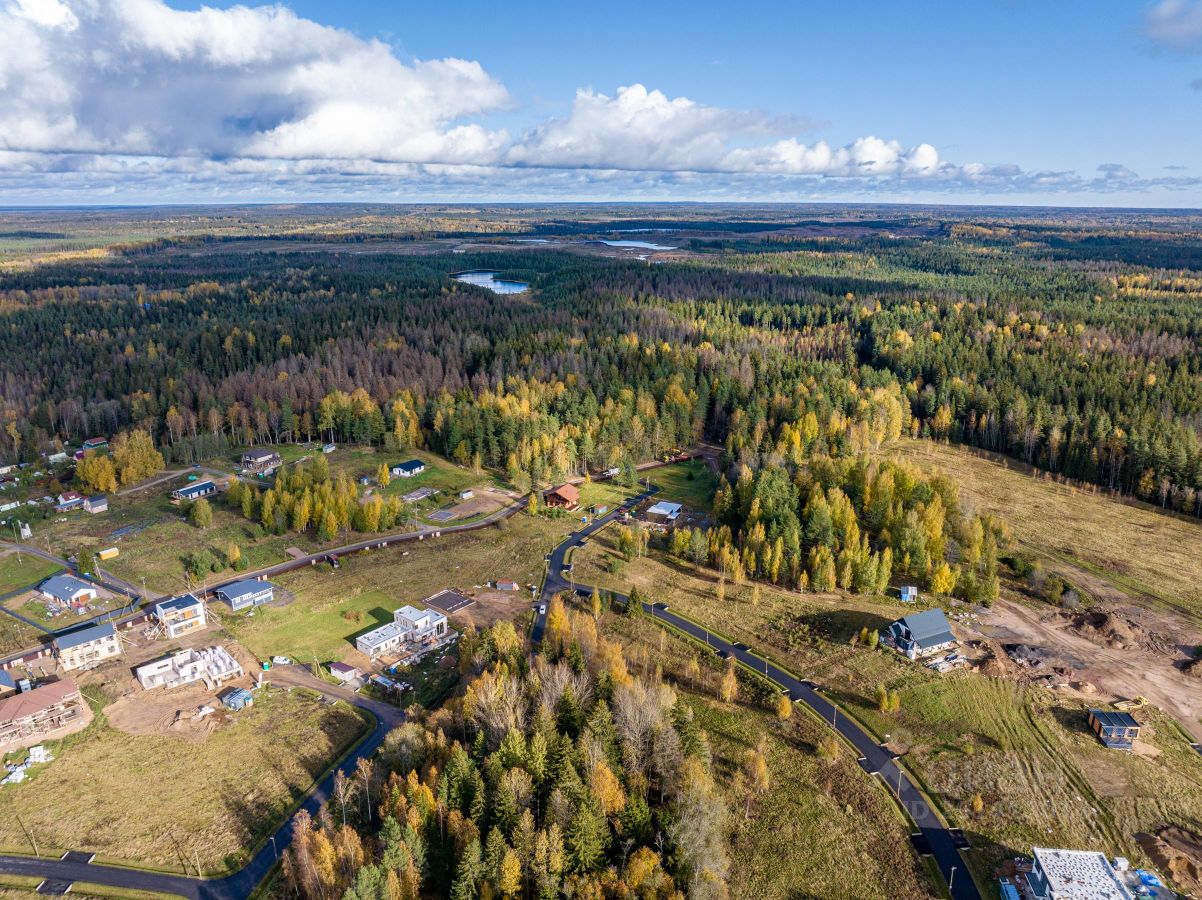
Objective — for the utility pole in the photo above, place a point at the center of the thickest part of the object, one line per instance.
(951, 880)
(29, 834)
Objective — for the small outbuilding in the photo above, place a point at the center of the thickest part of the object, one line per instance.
(507, 586)
(345, 672)
(467, 494)
(908, 593)
(236, 699)
(1117, 730)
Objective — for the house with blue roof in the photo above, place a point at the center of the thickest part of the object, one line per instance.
(194, 491)
(407, 469)
(87, 647)
(181, 615)
(921, 634)
(67, 590)
(247, 593)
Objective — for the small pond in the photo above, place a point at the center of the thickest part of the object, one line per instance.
(489, 280)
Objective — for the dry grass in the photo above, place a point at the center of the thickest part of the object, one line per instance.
(1043, 777)
(159, 800)
(823, 829)
(1120, 548)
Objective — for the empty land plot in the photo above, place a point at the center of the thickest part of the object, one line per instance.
(823, 828)
(332, 607)
(18, 570)
(1143, 552)
(155, 799)
(449, 601)
(691, 483)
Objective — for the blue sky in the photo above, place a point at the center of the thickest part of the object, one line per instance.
(1059, 103)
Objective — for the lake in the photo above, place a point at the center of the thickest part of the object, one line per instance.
(489, 280)
(638, 245)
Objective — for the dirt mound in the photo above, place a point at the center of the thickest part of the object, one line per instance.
(1178, 853)
(992, 667)
(1193, 667)
(1107, 629)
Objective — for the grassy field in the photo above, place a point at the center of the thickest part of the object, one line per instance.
(1119, 548)
(22, 570)
(1042, 776)
(691, 483)
(823, 829)
(16, 635)
(374, 584)
(154, 799)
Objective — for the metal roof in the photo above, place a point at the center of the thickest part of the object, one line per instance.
(196, 486)
(84, 636)
(927, 628)
(1114, 719)
(184, 601)
(245, 588)
(664, 508)
(64, 587)
(410, 465)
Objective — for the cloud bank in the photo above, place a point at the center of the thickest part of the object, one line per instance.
(133, 98)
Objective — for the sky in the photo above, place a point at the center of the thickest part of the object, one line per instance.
(1065, 103)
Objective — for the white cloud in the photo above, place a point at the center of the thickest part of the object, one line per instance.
(138, 77)
(148, 102)
(1175, 24)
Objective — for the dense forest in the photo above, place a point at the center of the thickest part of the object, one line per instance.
(1072, 346)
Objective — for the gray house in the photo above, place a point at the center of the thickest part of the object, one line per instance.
(246, 593)
(67, 589)
(921, 634)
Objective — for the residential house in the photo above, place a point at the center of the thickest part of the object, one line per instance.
(87, 646)
(921, 634)
(261, 461)
(26, 717)
(68, 500)
(1117, 730)
(345, 672)
(194, 491)
(566, 496)
(1075, 875)
(97, 504)
(247, 593)
(237, 698)
(409, 625)
(664, 513)
(95, 443)
(181, 615)
(212, 665)
(407, 469)
(68, 590)
(56, 458)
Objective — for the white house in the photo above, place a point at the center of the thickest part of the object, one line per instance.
(213, 665)
(67, 589)
(181, 615)
(409, 625)
(1075, 875)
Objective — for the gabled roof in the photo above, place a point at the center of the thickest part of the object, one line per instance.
(6, 679)
(244, 588)
(664, 508)
(409, 465)
(344, 668)
(29, 703)
(64, 587)
(196, 486)
(568, 492)
(1114, 719)
(927, 628)
(259, 454)
(84, 636)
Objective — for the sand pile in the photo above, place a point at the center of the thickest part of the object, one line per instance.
(1178, 854)
(1107, 629)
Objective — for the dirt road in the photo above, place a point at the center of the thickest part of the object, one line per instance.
(1115, 672)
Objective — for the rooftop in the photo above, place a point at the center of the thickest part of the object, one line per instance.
(31, 702)
(1080, 875)
(244, 588)
(928, 626)
(664, 508)
(84, 636)
(1114, 719)
(382, 635)
(63, 587)
(184, 601)
(410, 465)
(567, 491)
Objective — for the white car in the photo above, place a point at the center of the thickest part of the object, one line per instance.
(280, 661)
(542, 610)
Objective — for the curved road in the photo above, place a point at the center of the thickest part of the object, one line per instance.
(873, 758)
(76, 866)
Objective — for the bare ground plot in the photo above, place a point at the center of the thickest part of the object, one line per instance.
(1118, 665)
(1117, 550)
(156, 798)
(823, 828)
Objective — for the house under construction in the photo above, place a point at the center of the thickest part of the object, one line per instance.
(213, 665)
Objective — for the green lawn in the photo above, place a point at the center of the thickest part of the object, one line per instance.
(691, 483)
(22, 570)
(312, 628)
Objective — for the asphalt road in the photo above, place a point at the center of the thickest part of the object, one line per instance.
(76, 867)
(874, 759)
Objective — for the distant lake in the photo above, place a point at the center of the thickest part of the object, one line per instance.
(489, 280)
(638, 245)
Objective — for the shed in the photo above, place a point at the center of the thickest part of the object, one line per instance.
(467, 494)
(344, 672)
(1117, 730)
(237, 698)
(507, 586)
(908, 593)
